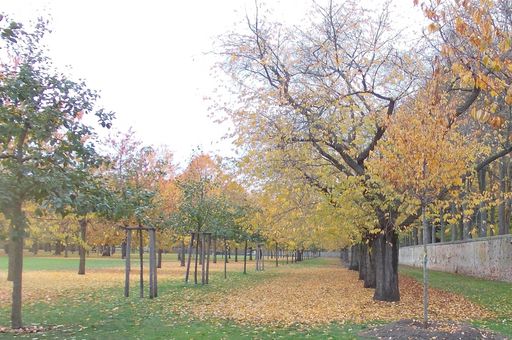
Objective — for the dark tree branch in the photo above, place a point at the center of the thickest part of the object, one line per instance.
(492, 158)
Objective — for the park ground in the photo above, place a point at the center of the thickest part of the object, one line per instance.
(317, 298)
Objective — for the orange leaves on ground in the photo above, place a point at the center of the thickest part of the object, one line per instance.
(312, 296)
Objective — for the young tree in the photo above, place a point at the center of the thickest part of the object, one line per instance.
(424, 157)
(44, 143)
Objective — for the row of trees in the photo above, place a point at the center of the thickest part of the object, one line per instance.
(371, 133)
(63, 187)
(350, 133)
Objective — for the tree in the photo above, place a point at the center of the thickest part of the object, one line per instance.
(423, 157)
(44, 142)
(320, 94)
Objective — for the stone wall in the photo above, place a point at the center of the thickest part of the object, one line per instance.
(489, 257)
(330, 254)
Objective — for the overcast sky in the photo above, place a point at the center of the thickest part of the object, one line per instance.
(148, 59)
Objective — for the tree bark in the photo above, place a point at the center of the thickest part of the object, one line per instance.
(66, 247)
(106, 250)
(277, 256)
(362, 260)
(123, 250)
(196, 258)
(433, 231)
(159, 262)
(492, 220)
(425, 271)
(245, 257)
(214, 249)
(225, 257)
(353, 258)
(141, 259)
(482, 221)
(386, 266)
(81, 248)
(16, 256)
(182, 250)
(127, 269)
(208, 257)
(442, 223)
(187, 272)
(10, 270)
(502, 224)
(58, 248)
(203, 264)
(369, 279)
(35, 248)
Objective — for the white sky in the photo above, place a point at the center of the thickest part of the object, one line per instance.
(148, 59)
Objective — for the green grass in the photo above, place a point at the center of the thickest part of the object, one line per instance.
(494, 295)
(106, 314)
(46, 262)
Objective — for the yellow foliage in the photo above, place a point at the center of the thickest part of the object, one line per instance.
(422, 156)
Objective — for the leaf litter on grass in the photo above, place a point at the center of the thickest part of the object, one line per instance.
(322, 295)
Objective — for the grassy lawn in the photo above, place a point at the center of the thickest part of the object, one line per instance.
(494, 295)
(106, 314)
(46, 261)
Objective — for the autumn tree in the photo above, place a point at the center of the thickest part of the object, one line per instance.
(320, 94)
(44, 141)
(423, 156)
(474, 40)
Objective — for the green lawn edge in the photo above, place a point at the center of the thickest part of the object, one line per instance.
(496, 296)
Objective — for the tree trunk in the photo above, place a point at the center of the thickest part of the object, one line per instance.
(362, 260)
(191, 244)
(203, 255)
(433, 231)
(35, 248)
(214, 249)
(277, 256)
(225, 257)
(58, 248)
(17, 250)
(106, 250)
(9, 246)
(159, 262)
(443, 225)
(482, 221)
(425, 271)
(502, 224)
(141, 259)
(236, 254)
(182, 250)
(196, 258)
(453, 225)
(208, 249)
(250, 253)
(369, 279)
(16, 256)
(66, 247)
(245, 257)
(492, 220)
(466, 224)
(123, 250)
(353, 258)
(81, 248)
(386, 266)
